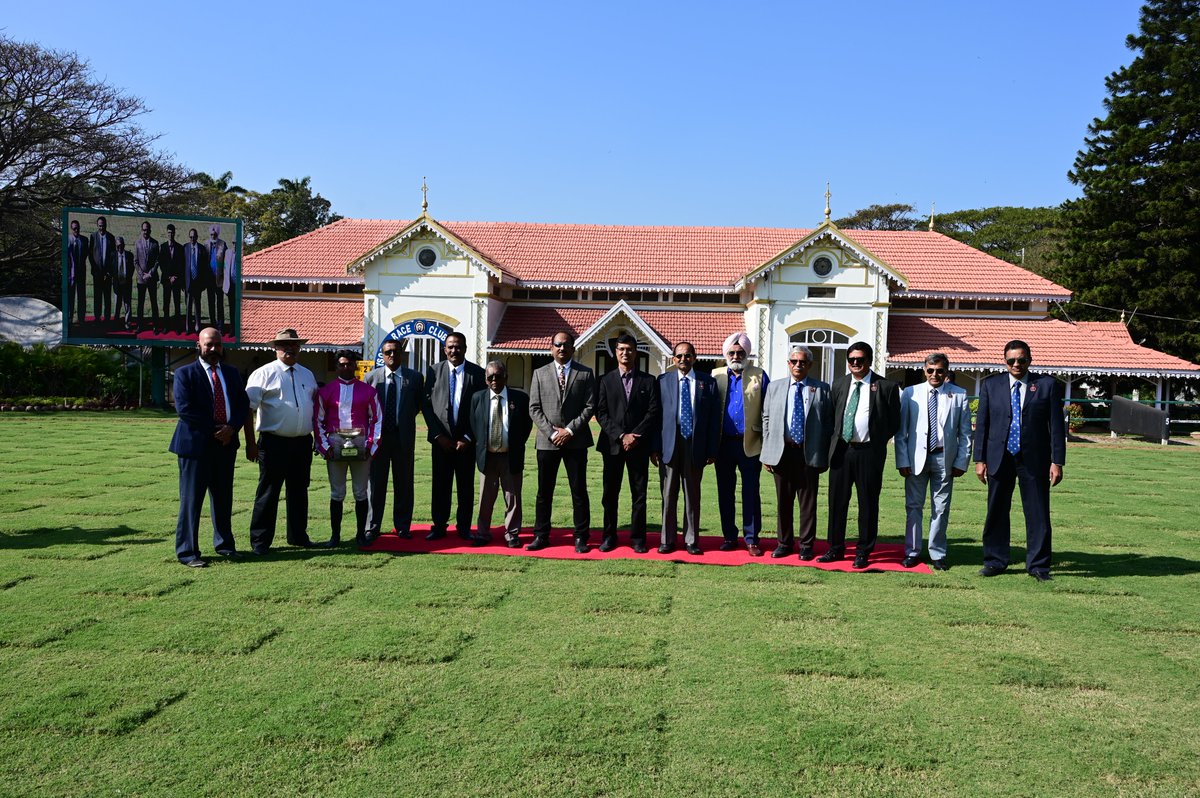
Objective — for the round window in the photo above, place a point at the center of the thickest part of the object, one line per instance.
(426, 257)
(823, 266)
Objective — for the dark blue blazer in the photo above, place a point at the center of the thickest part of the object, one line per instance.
(1043, 431)
(194, 404)
(706, 426)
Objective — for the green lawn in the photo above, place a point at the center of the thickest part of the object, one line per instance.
(347, 674)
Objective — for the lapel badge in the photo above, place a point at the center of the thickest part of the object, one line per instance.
(1032, 388)
(874, 387)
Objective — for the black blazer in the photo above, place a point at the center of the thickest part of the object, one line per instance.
(883, 420)
(171, 266)
(519, 427)
(411, 399)
(617, 417)
(437, 400)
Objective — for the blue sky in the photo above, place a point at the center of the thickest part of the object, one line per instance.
(615, 113)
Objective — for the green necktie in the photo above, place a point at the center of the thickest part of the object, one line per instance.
(851, 410)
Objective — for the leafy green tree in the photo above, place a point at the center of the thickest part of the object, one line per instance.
(896, 216)
(1029, 237)
(219, 196)
(1133, 239)
(285, 212)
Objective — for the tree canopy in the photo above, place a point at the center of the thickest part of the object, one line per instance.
(896, 216)
(1026, 236)
(286, 211)
(1132, 241)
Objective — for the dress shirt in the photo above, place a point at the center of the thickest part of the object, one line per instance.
(208, 375)
(281, 410)
(1024, 387)
(735, 410)
(503, 398)
(692, 383)
(456, 398)
(807, 398)
(862, 417)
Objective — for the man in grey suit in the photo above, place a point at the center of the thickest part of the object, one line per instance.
(797, 427)
(402, 392)
(449, 388)
(500, 422)
(561, 402)
(933, 448)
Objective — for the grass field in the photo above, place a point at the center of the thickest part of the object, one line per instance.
(348, 674)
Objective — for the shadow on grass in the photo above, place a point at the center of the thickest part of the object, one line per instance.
(968, 552)
(46, 537)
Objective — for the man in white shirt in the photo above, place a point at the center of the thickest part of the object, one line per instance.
(501, 426)
(282, 394)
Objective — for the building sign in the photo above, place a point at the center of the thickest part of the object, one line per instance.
(414, 328)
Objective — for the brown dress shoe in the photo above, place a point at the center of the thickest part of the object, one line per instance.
(753, 550)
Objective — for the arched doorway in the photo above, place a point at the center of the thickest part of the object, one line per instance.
(829, 351)
(421, 341)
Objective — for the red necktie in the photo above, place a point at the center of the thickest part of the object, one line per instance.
(218, 400)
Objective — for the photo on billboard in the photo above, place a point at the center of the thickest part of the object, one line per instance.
(139, 279)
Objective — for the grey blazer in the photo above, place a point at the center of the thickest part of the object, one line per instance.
(818, 423)
(572, 408)
(412, 395)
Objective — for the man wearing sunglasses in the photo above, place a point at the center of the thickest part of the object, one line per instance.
(866, 415)
(1020, 439)
(401, 393)
(740, 390)
(933, 448)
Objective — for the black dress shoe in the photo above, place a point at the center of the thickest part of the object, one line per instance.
(911, 562)
(607, 545)
(1041, 576)
(833, 555)
(465, 535)
(403, 535)
(640, 548)
(781, 551)
(436, 534)
(369, 538)
(260, 552)
(581, 547)
(941, 565)
(695, 550)
(513, 543)
(332, 543)
(479, 541)
(231, 554)
(665, 549)
(860, 560)
(728, 545)
(196, 563)
(991, 570)
(808, 555)
(537, 544)
(307, 543)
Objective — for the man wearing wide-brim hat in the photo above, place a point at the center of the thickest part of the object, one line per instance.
(281, 395)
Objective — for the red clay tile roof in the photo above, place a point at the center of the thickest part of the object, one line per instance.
(530, 328)
(324, 322)
(702, 257)
(1057, 346)
(934, 263)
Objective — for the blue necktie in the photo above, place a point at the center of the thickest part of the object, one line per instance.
(685, 408)
(1014, 429)
(796, 429)
(933, 420)
(453, 387)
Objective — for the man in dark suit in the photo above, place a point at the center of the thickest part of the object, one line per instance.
(171, 261)
(628, 411)
(866, 415)
(77, 253)
(212, 407)
(145, 261)
(216, 263)
(797, 424)
(122, 283)
(402, 392)
(449, 388)
(1020, 438)
(683, 444)
(197, 276)
(501, 426)
(561, 401)
(102, 251)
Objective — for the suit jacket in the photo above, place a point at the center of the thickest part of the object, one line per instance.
(818, 423)
(109, 266)
(145, 258)
(408, 404)
(78, 254)
(172, 266)
(752, 405)
(437, 400)
(954, 427)
(194, 430)
(883, 419)
(706, 417)
(519, 427)
(617, 417)
(204, 275)
(127, 266)
(571, 408)
(1043, 431)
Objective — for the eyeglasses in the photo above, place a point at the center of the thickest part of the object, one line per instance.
(560, 344)
(391, 352)
(856, 361)
(935, 371)
(493, 377)
(1012, 361)
(685, 356)
(799, 362)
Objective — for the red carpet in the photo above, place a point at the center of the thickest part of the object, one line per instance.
(886, 557)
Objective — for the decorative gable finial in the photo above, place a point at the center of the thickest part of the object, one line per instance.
(424, 197)
(932, 210)
(827, 195)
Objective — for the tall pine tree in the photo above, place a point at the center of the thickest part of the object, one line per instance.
(1133, 239)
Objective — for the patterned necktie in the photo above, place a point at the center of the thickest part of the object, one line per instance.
(851, 411)
(219, 414)
(1014, 429)
(933, 420)
(685, 408)
(389, 402)
(195, 260)
(796, 428)
(496, 433)
(562, 379)
(453, 389)
(627, 383)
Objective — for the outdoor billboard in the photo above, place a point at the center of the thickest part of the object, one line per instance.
(139, 279)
